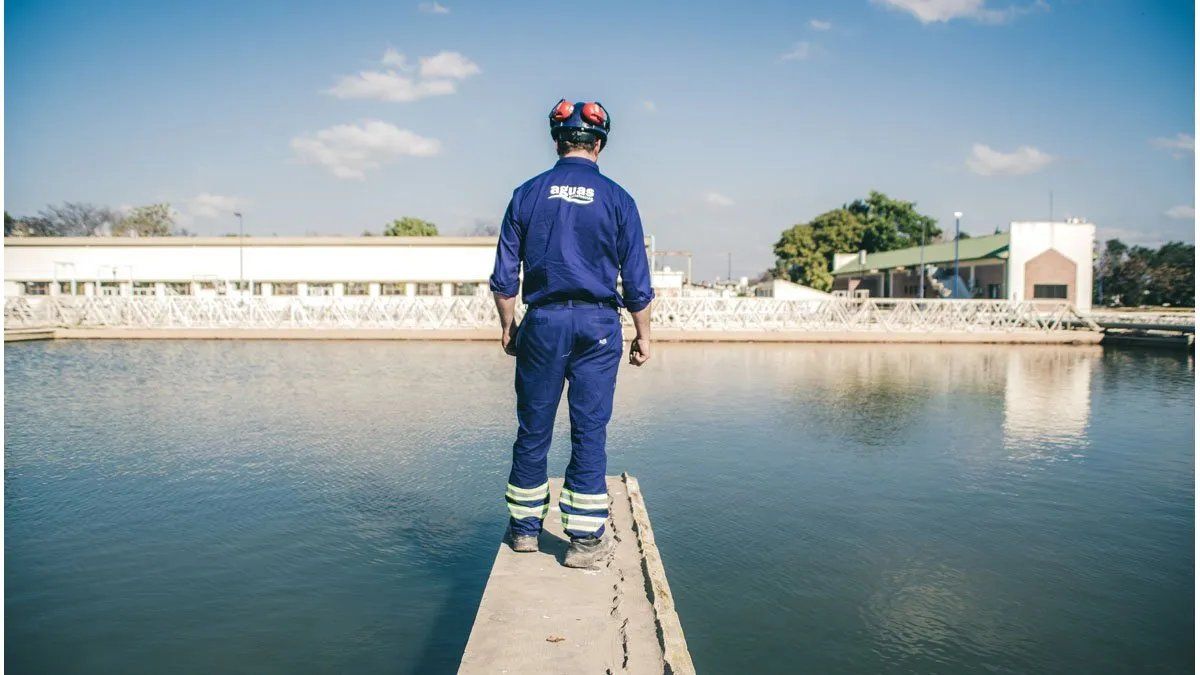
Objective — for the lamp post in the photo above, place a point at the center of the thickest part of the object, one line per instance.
(957, 280)
(241, 267)
(924, 226)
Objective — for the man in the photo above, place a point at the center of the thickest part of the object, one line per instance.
(574, 230)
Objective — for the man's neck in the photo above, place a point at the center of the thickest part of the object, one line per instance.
(582, 154)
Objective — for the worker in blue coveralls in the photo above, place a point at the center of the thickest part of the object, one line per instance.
(574, 230)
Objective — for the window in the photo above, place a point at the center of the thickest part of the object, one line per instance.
(320, 289)
(356, 288)
(391, 288)
(143, 288)
(110, 288)
(283, 288)
(429, 289)
(258, 288)
(37, 287)
(177, 288)
(465, 289)
(64, 288)
(1050, 291)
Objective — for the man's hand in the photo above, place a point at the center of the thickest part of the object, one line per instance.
(506, 310)
(508, 340)
(639, 351)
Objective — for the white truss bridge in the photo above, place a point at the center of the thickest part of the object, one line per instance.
(450, 313)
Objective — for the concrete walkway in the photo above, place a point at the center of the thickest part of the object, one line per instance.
(537, 616)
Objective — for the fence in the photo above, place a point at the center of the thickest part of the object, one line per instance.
(433, 313)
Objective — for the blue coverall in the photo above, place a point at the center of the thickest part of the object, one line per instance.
(574, 230)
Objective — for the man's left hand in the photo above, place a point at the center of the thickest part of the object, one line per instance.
(508, 340)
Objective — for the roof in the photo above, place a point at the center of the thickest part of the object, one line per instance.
(250, 241)
(972, 248)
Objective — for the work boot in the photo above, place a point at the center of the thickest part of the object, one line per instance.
(522, 543)
(588, 553)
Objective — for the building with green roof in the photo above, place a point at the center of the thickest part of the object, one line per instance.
(1032, 261)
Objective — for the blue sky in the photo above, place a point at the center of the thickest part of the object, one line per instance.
(732, 121)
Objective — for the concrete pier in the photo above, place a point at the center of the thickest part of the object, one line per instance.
(537, 616)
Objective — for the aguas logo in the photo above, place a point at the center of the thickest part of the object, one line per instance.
(575, 195)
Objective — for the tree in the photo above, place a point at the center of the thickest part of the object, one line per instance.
(1137, 275)
(484, 228)
(411, 227)
(76, 219)
(804, 252)
(154, 220)
(892, 223)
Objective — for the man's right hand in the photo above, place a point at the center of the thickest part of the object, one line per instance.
(639, 351)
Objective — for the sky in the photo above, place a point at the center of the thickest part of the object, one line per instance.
(731, 121)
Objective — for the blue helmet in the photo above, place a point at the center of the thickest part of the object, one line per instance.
(579, 121)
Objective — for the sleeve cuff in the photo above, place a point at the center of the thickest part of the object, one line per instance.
(638, 305)
(507, 290)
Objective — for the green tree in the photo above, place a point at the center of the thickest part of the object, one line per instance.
(1138, 275)
(804, 252)
(411, 227)
(890, 224)
(154, 220)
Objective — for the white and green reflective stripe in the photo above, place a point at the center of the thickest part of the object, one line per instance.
(583, 501)
(576, 523)
(528, 494)
(517, 511)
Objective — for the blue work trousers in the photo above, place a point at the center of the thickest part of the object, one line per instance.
(578, 344)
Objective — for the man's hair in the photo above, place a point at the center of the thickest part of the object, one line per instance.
(578, 140)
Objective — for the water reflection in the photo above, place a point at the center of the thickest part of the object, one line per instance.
(1047, 401)
(334, 507)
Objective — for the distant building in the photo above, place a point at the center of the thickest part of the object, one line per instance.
(782, 289)
(262, 266)
(1032, 261)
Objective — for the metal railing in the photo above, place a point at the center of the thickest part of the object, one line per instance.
(433, 313)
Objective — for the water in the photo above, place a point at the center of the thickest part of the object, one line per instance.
(297, 507)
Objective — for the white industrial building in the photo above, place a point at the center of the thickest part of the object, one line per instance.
(261, 266)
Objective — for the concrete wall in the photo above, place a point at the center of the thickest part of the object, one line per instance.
(1075, 241)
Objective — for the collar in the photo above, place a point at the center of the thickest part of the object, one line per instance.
(581, 161)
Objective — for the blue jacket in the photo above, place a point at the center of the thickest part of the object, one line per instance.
(575, 230)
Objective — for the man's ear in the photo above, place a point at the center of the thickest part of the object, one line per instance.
(597, 147)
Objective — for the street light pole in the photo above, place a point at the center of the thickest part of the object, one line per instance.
(241, 266)
(957, 280)
(924, 227)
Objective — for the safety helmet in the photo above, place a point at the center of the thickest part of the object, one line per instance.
(580, 121)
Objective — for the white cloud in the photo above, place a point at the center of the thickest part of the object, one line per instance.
(433, 8)
(206, 205)
(448, 65)
(817, 24)
(942, 11)
(718, 199)
(394, 59)
(389, 86)
(1181, 212)
(1178, 145)
(436, 78)
(801, 51)
(985, 161)
(350, 150)
(650, 106)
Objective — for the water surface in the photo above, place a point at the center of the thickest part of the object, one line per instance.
(293, 507)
